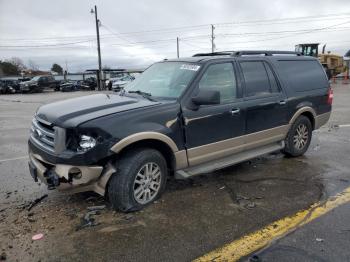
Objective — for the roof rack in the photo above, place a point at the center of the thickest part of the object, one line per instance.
(249, 52)
(265, 53)
(221, 53)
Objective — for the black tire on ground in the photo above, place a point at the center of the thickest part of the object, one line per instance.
(121, 187)
(294, 146)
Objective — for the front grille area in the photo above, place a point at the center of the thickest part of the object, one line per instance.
(43, 134)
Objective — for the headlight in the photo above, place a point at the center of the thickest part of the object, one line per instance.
(86, 143)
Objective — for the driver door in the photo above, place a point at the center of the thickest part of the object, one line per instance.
(211, 130)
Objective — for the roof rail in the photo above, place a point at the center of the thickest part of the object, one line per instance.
(264, 52)
(221, 53)
(248, 52)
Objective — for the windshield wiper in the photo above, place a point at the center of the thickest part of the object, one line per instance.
(143, 94)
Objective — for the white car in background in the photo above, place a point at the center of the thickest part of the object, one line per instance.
(118, 84)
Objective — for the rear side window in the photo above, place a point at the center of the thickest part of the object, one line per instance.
(259, 79)
(303, 75)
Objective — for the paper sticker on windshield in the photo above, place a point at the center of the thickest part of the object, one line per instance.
(190, 67)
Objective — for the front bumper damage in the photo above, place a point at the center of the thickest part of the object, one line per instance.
(70, 178)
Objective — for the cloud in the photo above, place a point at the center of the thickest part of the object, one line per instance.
(47, 22)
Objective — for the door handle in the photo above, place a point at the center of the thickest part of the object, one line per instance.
(282, 102)
(235, 111)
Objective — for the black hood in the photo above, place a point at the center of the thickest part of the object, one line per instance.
(72, 112)
(29, 82)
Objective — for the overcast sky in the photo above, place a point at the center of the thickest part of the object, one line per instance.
(137, 33)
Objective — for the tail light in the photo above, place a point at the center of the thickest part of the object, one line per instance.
(330, 96)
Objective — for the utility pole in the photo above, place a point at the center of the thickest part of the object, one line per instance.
(99, 74)
(65, 72)
(177, 47)
(212, 39)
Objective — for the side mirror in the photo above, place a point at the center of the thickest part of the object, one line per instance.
(206, 97)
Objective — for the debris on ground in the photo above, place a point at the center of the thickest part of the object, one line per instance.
(92, 199)
(88, 220)
(319, 239)
(72, 213)
(317, 147)
(222, 187)
(3, 256)
(37, 236)
(250, 205)
(94, 208)
(36, 201)
(128, 217)
(255, 258)
(239, 197)
(344, 231)
(31, 219)
(8, 194)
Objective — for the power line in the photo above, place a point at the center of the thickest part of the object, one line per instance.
(287, 19)
(295, 32)
(277, 32)
(306, 32)
(202, 26)
(48, 45)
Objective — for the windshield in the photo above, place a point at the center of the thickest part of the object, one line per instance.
(36, 78)
(165, 79)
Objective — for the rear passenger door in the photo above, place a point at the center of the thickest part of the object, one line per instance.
(265, 102)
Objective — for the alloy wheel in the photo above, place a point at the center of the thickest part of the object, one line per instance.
(147, 183)
(301, 137)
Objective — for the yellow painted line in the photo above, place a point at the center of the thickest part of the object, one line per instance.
(263, 237)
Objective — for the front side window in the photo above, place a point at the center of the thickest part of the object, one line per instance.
(165, 79)
(257, 79)
(220, 77)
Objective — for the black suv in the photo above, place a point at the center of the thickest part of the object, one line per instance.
(180, 117)
(38, 83)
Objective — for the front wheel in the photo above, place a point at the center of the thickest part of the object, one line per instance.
(140, 179)
(299, 137)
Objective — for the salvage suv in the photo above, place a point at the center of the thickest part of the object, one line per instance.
(181, 117)
(39, 83)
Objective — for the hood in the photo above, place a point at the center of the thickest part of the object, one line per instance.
(28, 82)
(75, 111)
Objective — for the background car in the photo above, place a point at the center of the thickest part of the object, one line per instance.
(119, 83)
(38, 83)
(70, 86)
(9, 86)
(88, 84)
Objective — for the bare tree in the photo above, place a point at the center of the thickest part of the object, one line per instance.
(32, 65)
(18, 62)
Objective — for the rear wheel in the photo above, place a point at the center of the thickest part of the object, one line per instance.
(299, 137)
(140, 179)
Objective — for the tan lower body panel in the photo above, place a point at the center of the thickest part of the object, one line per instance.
(231, 146)
(322, 119)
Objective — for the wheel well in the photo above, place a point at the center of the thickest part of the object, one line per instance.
(310, 116)
(162, 147)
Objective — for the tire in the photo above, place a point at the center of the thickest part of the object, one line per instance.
(123, 189)
(299, 137)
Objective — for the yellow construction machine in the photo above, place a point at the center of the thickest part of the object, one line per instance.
(333, 64)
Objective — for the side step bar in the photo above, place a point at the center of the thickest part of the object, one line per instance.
(228, 161)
